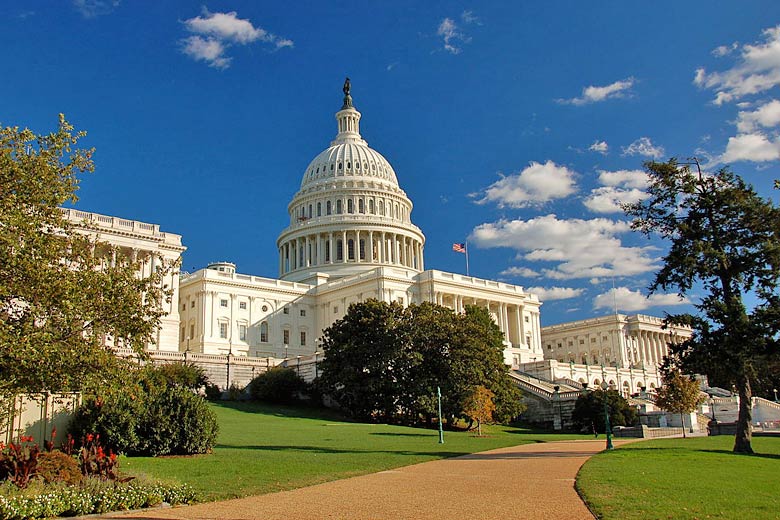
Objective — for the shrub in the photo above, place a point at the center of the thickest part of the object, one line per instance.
(588, 411)
(56, 466)
(278, 385)
(186, 375)
(213, 393)
(95, 462)
(114, 418)
(19, 461)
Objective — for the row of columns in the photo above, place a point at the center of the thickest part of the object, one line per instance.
(509, 318)
(649, 347)
(322, 249)
(357, 205)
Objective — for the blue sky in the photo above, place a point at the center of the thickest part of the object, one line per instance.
(515, 125)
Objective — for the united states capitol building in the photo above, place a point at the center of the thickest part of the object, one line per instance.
(350, 238)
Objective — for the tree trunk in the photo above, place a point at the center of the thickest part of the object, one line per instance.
(479, 428)
(682, 421)
(744, 421)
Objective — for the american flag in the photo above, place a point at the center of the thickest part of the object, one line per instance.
(459, 248)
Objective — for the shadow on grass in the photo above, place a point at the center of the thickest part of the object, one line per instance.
(301, 411)
(431, 433)
(774, 456)
(336, 451)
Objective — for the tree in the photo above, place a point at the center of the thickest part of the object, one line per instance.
(277, 385)
(59, 298)
(724, 242)
(679, 394)
(479, 406)
(588, 411)
(384, 361)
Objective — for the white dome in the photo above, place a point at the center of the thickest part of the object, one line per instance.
(348, 160)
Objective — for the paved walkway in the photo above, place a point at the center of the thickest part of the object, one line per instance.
(532, 481)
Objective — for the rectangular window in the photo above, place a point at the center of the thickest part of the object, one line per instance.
(286, 310)
(303, 313)
(242, 332)
(526, 319)
(192, 331)
(303, 338)
(192, 304)
(242, 305)
(286, 337)
(223, 303)
(335, 310)
(223, 330)
(184, 306)
(181, 336)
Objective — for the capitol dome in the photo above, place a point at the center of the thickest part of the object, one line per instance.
(349, 215)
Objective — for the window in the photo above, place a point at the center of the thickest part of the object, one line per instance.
(286, 310)
(327, 208)
(327, 251)
(264, 308)
(303, 313)
(319, 209)
(184, 306)
(192, 304)
(181, 335)
(338, 207)
(223, 303)
(350, 206)
(351, 249)
(362, 249)
(303, 338)
(223, 326)
(339, 250)
(582, 342)
(593, 340)
(335, 310)
(371, 206)
(192, 331)
(381, 208)
(286, 337)
(242, 305)
(264, 332)
(242, 332)
(526, 319)
(310, 211)
(361, 207)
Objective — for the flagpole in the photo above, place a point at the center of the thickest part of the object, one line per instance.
(467, 257)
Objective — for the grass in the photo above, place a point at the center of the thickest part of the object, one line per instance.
(263, 448)
(694, 478)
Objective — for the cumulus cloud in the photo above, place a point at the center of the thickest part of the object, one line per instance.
(757, 70)
(523, 272)
(767, 115)
(599, 146)
(594, 94)
(618, 187)
(554, 293)
(724, 50)
(215, 32)
(754, 147)
(578, 248)
(645, 147)
(627, 300)
(95, 8)
(624, 179)
(536, 184)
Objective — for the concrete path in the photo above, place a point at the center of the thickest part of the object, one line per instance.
(517, 483)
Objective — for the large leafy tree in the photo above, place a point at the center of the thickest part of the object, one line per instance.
(61, 294)
(589, 415)
(384, 362)
(725, 244)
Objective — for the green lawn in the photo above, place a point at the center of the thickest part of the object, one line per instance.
(684, 479)
(263, 449)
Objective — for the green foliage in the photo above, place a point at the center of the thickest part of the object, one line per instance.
(725, 242)
(145, 417)
(278, 385)
(185, 375)
(588, 414)
(56, 466)
(383, 362)
(89, 496)
(59, 297)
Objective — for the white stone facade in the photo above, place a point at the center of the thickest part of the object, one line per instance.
(139, 241)
(350, 238)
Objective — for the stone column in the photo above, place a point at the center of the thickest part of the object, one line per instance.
(344, 248)
(332, 249)
(370, 256)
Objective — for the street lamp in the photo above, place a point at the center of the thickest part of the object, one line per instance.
(775, 391)
(557, 397)
(286, 346)
(607, 425)
(712, 407)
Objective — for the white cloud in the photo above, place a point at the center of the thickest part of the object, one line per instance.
(522, 272)
(452, 35)
(593, 94)
(624, 179)
(754, 147)
(579, 248)
(599, 146)
(767, 115)
(95, 8)
(724, 50)
(757, 70)
(554, 293)
(627, 300)
(468, 17)
(536, 184)
(210, 50)
(215, 32)
(608, 199)
(645, 147)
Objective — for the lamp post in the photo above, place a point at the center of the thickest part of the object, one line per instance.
(712, 408)
(441, 431)
(775, 391)
(298, 368)
(286, 346)
(557, 398)
(607, 425)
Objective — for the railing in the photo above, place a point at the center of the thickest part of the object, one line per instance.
(760, 401)
(107, 222)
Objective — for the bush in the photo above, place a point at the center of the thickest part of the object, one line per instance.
(278, 385)
(114, 418)
(55, 466)
(186, 375)
(588, 411)
(213, 393)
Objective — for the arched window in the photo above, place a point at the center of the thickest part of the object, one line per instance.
(381, 207)
(350, 206)
(397, 213)
(361, 208)
(310, 211)
(327, 208)
(371, 206)
(264, 332)
(327, 250)
(338, 207)
(351, 249)
(339, 250)
(362, 249)
(319, 209)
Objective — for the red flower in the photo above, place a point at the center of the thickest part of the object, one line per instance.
(26, 438)
(90, 437)
(100, 454)
(112, 456)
